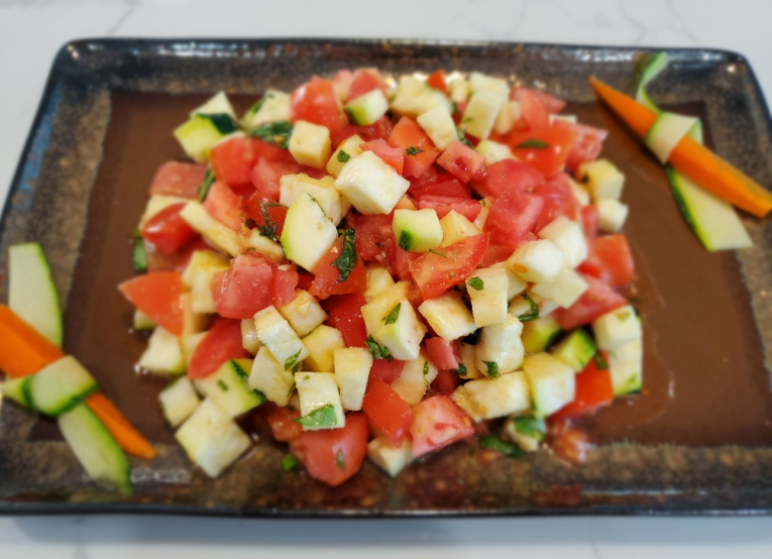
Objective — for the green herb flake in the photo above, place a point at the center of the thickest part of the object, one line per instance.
(290, 362)
(460, 371)
(377, 350)
(532, 143)
(296, 368)
(404, 240)
(473, 338)
(320, 417)
(206, 184)
(259, 105)
(493, 369)
(462, 138)
(438, 253)
(454, 108)
(476, 283)
(391, 318)
(413, 150)
(348, 258)
(533, 314)
(494, 442)
(340, 460)
(270, 228)
(600, 361)
(529, 426)
(343, 157)
(277, 133)
(289, 463)
(139, 255)
(307, 377)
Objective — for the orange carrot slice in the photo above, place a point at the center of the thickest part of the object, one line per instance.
(23, 350)
(124, 433)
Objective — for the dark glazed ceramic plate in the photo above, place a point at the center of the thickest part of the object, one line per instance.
(698, 439)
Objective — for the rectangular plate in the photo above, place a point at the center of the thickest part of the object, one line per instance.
(697, 440)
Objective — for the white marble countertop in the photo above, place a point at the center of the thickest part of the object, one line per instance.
(31, 31)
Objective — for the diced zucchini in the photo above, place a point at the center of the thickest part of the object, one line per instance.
(581, 194)
(552, 383)
(202, 260)
(379, 281)
(249, 339)
(307, 234)
(537, 261)
(202, 131)
(479, 81)
(345, 152)
(439, 126)
(464, 401)
(545, 306)
(494, 151)
(211, 439)
(402, 334)
(564, 290)
(273, 106)
(271, 378)
(500, 396)
(156, 204)
(456, 227)
(322, 344)
(61, 386)
(469, 360)
(367, 108)
(415, 97)
(448, 316)
(352, 371)
(333, 204)
(17, 390)
(508, 115)
(417, 375)
(501, 344)
(417, 230)
(217, 234)
(142, 322)
(526, 432)
(263, 245)
(626, 366)
(515, 286)
(278, 336)
(612, 215)
(616, 328)
(192, 321)
(304, 313)
(481, 113)
(568, 236)
(198, 277)
(163, 355)
(539, 335)
(390, 459)
(189, 344)
(310, 144)
(375, 312)
(178, 401)
(370, 184)
(228, 388)
(316, 391)
(218, 104)
(459, 89)
(575, 350)
(32, 293)
(602, 179)
(488, 289)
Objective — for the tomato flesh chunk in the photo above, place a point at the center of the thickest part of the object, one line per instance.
(175, 178)
(461, 161)
(610, 260)
(390, 155)
(390, 413)
(420, 152)
(316, 102)
(441, 353)
(598, 300)
(387, 371)
(513, 217)
(221, 343)
(509, 174)
(232, 161)
(245, 289)
(546, 148)
(158, 295)
(168, 231)
(283, 425)
(594, 389)
(327, 279)
(435, 274)
(345, 314)
(226, 206)
(437, 423)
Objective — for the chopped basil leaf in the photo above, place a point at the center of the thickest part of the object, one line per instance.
(473, 338)
(222, 385)
(529, 426)
(532, 143)
(343, 157)
(600, 361)
(320, 417)
(347, 259)
(139, 255)
(340, 461)
(291, 360)
(270, 228)
(259, 105)
(493, 442)
(476, 283)
(454, 108)
(296, 368)
(493, 369)
(413, 150)
(404, 240)
(206, 184)
(461, 371)
(462, 138)
(438, 253)
(391, 318)
(289, 463)
(277, 133)
(533, 314)
(377, 350)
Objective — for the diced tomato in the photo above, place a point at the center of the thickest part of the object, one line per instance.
(266, 177)
(392, 156)
(380, 129)
(437, 423)
(498, 253)
(435, 274)
(567, 442)
(333, 455)
(245, 289)
(305, 280)
(598, 300)
(221, 343)
(283, 426)
(441, 353)
(174, 178)
(590, 220)
(508, 174)
(550, 146)
(594, 389)
(157, 294)
(610, 260)
(444, 185)
(168, 231)
(327, 279)
(587, 145)
(445, 383)
(341, 84)
(345, 314)
(284, 284)
(232, 161)
(390, 413)
(437, 81)
(269, 152)
(443, 205)
(532, 112)
(225, 206)
(364, 81)
(157, 261)
(257, 207)
(559, 200)
(408, 134)
(396, 259)
(316, 102)
(387, 371)
(462, 161)
(369, 234)
(512, 217)
(551, 104)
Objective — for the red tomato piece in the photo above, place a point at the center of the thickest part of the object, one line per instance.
(369, 234)
(532, 112)
(158, 261)
(316, 102)
(445, 383)
(508, 174)
(390, 413)
(283, 426)
(284, 284)
(437, 423)
(174, 178)
(512, 217)
(498, 253)
(364, 81)
(257, 207)
(380, 129)
(225, 206)
(462, 161)
(392, 156)
(610, 260)
(551, 104)
(157, 294)
(269, 152)
(435, 274)
(559, 200)
(598, 300)
(345, 313)
(387, 371)
(221, 343)
(443, 205)
(168, 231)
(245, 289)
(333, 455)
(341, 83)
(305, 280)
(396, 259)
(590, 220)
(594, 389)
(549, 147)
(441, 353)
(327, 279)
(232, 161)
(445, 185)
(266, 177)
(408, 134)
(587, 145)
(437, 81)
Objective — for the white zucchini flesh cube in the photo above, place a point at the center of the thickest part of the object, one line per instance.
(612, 215)
(581, 194)
(439, 126)
(263, 245)
(478, 81)
(403, 336)
(515, 286)
(271, 378)
(469, 360)
(456, 227)
(564, 290)
(292, 187)
(201, 272)
(493, 152)
(178, 401)
(249, 339)
(307, 234)
(379, 281)
(459, 89)
(414, 97)
(626, 366)
(217, 104)
(390, 459)
(617, 328)
(278, 336)
(309, 144)
(273, 106)
(317, 390)
(501, 344)
(372, 186)
(537, 261)
(448, 316)
(417, 375)
(352, 371)
(546, 307)
(569, 237)
(508, 115)
(497, 397)
(192, 322)
(489, 304)
(203, 260)
(163, 355)
(463, 400)
(375, 312)
(211, 439)
(417, 230)
(350, 149)
(552, 382)
(228, 388)
(304, 313)
(367, 108)
(481, 112)
(602, 179)
(215, 233)
(322, 344)
(142, 322)
(156, 204)
(189, 344)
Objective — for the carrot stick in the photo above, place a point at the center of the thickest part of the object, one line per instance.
(23, 351)
(693, 159)
(124, 433)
